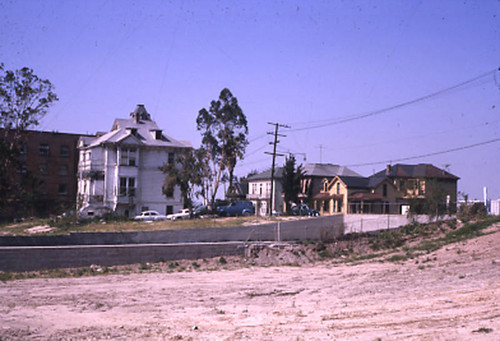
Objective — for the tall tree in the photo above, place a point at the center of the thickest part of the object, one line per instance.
(291, 180)
(224, 131)
(186, 173)
(24, 100)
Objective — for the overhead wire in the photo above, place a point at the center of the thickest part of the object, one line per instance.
(485, 124)
(424, 155)
(327, 123)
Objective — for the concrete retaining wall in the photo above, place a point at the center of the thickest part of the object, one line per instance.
(25, 253)
(316, 228)
(49, 257)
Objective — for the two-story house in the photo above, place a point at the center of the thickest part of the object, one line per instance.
(315, 174)
(421, 181)
(119, 171)
(259, 191)
(259, 185)
(356, 194)
(390, 191)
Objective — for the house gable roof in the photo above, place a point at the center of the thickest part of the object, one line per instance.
(323, 170)
(355, 181)
(422, 170)
(139, 127)
(266, 175)
(327, 170)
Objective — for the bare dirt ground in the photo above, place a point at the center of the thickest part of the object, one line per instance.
(450, 294)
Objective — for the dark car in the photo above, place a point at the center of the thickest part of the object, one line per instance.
(200, 211)
(237, 208)
(304, 210)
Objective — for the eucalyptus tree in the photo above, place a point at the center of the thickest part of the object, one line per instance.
(224, 131)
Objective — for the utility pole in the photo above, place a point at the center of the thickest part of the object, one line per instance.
(274, 154)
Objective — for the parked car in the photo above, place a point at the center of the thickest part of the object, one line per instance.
(200, 211)
(182, 214)
(237, 208)
(150, 215)
(304, 210)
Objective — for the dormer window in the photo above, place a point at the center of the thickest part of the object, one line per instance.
(157, 134)
(133, 131)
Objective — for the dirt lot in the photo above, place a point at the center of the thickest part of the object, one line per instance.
(450, 294)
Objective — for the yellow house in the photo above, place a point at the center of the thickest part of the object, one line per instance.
(355, 194)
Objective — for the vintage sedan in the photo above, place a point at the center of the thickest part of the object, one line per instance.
(150, 215)
(182, 214)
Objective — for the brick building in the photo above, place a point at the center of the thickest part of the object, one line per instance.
(51, 161)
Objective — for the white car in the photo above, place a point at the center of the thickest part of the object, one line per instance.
(150, 215)
(182, 214)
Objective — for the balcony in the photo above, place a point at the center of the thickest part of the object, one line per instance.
(92, 174)
(96, 199)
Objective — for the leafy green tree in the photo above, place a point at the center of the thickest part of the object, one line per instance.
(291, 180)
(434, 204)
(186, 173)
(224, 131)
(24, 100)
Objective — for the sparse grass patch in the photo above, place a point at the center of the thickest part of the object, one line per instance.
(6, 276)
(145, 266)
(397, 258)
(110, 223)
(325, 253)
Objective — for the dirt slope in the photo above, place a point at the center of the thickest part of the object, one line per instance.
(451, 294)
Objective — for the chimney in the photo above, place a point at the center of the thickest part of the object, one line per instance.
(388, 170)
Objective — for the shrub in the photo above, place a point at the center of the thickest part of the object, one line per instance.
(472, 211)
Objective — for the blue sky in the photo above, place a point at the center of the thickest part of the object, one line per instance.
(301, 63)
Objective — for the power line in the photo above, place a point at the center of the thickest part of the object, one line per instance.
(397, 106)
(425, 155)
(256, 150)
(255, 138)
(485, 124)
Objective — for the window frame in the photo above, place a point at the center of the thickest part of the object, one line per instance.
(44, 149)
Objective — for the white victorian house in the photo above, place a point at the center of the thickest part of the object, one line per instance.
(119, 171)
